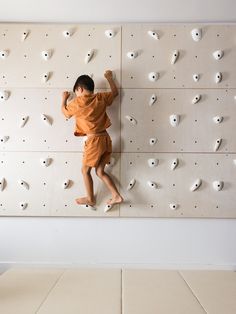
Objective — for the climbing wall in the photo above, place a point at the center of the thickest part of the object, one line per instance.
(172, 124)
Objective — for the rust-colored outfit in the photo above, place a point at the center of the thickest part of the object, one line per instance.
(91, 118)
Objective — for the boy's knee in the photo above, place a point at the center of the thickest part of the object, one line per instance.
(99, 172)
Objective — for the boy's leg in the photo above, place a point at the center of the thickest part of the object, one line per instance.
(116, 197)
(88, 181)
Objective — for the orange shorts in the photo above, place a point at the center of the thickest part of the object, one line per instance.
(97, 146)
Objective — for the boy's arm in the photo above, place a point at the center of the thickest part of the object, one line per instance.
(65, 96)
(114, 89)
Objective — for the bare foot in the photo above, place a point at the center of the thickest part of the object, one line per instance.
(115, 200)
(84, 201)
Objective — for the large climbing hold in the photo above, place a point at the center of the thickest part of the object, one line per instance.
(197, 183)
(196, 34)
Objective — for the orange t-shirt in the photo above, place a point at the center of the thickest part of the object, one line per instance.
(89, 112)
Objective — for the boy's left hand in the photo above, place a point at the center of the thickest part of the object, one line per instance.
(65, 95)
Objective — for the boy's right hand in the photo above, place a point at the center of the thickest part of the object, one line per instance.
(65, 95)
(108, 74)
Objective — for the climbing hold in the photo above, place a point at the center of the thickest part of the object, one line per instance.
(173, 206)
(218, 77)
(174, 163)
(45, 161)
(23, 205)
(196, 77)
(4, 95)
(153, 34)
(131, 184)
(131, 120)
(196, 185)
(218, 185)
(174, 56)
(89, 56)
(152, 100)
(24, 35)
(66, 184)
(111, 163)
(46, 54)
(152, 162)
(4, 54)
(174, 120)
(153, 76)
(4, 138)
(107, 208)
(46, 77)
(152, 184)
(196, 34)
(24, 184)
(218, 54)
(2, 184)
(217, 144)
(110, 33)
(132, 54)
(217, 119)
(46, 119)
(196, 99)
(67, 33)
(23, 121)
(152, 141)
(87, 206)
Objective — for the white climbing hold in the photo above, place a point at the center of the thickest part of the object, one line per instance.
(107, 208)
(196, 34)
(174, 206)
(66, 184)
(4, 138)
(174, 163)
(196, 99)
(87, 206)
(153, 99)
(174, 120)
(112, 162)
(218, 77)
(217, 144)
(218, 185)
(131, 184)
(131, 120)
(196, 77)
(174, 56)
(46, 119)
(2, 184)
(152, 184)
(89, 56)
(218, 54)
(4, 95)
(67, 33)
(46, 54)
(4, 54)
(23, 205)
(23, 184)
(152, 141)
(45, 77)
(152, 162)
(132, 54)
(196, 185)
(45, 161)
(218, 119)
(153, 34)
(24, 35)
(110, 33)
(23, 121)
(153, 76)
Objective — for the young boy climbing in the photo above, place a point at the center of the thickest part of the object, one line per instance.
(89, 111)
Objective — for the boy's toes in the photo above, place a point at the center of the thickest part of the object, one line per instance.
(84, 201)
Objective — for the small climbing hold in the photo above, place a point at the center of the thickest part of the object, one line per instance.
(87, 206)
(110, 33)
(174, 56)
(23, 121)
(46, 54)
(174, 163)
(196, 99)
(152, 184)
(196, 185)
(218, 77)
(4, 138)
(218, 185)
(152, 141)
(89, 56)
(24, 35)
(67, 33)
(153, 34)
(217, 119)
(131, 184)
(4, 54)
(153, 76)
(45, 161)
(46, 119)
(196, 34)
(132, 54)
(66, 184)
(218, 54)
(45, 77)
(174, 206)
(2, 184)
(174, 120)
(4, 95)
(152, 162)
(152, 100)
(112, 162)
(23, 184)
(196, 77)
(217, 144)
(107, 208)
(23, 205)
(131, 120)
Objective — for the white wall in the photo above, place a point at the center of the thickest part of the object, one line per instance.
(182, 243)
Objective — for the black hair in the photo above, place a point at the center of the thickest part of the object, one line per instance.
(84, 81)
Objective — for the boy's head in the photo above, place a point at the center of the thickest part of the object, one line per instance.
(83, 84)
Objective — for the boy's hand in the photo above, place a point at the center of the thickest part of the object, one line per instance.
(108, 74)
(65, 95)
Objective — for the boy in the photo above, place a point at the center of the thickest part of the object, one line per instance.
(89, 110)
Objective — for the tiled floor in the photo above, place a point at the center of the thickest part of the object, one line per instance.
(115, 291)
